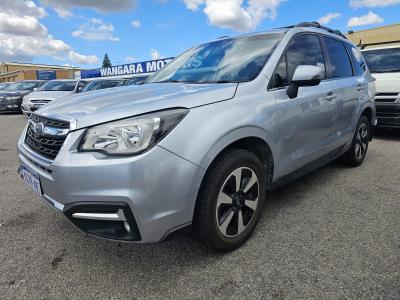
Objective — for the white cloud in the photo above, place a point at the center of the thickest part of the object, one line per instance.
(17, 46)
(83, 59)
(154, 54)
(26, 8)
(368, 19)
(130, 59)
(193, 4)
(372, 3)
(328, 18)
(63, 7)
(235, 14)
(23, 37)
(136, 24)
(96, 30)
(24, 25)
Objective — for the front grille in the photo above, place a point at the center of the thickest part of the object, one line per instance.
(45, 145)
(387, 114)
(50, 122)
(41, 101)
(386, 97)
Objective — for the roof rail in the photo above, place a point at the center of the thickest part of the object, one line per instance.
(317, 25)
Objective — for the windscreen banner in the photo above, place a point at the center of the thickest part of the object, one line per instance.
(146, 67)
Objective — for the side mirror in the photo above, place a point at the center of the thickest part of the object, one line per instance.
(304, 76)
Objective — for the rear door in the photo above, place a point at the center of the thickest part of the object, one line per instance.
(306, 122)
(349, 87)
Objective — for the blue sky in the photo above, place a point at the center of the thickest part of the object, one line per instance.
(79, 32)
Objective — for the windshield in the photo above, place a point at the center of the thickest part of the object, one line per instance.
(3, 86)
(102, 84)
(65, 86)
(137, 80)
(383, 60)
(229, 60)
(19, 86)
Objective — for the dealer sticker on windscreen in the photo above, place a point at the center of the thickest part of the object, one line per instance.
(31, 178)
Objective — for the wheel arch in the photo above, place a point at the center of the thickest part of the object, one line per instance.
(249, 139)
(369, 113)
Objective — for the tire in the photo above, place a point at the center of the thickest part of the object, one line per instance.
(359, 147)
(221, 205)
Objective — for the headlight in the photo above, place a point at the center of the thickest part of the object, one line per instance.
(10, 98)
(131, 136)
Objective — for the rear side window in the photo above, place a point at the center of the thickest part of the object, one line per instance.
(358, 60)
(304, 49)
(340, 61)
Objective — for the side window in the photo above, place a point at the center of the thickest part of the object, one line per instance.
(357, 58)
(81, 85)
(340, 61)
(304, 49)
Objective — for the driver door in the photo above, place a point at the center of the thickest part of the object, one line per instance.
(305, 123)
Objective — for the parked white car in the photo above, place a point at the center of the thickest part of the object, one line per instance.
(50, 91)
(384, 64)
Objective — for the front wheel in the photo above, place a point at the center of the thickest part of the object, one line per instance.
(230, 200)
(356, 154)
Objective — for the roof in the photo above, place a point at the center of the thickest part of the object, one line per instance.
(38, 65)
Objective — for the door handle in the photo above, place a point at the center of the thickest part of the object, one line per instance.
(360, 87)
(331, 96)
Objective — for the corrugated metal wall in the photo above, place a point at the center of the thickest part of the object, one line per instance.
(387, 35)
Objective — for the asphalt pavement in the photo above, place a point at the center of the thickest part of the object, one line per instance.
(332, 234)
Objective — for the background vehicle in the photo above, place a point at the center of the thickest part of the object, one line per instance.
(204, 138)
(50, 91)
(100, 84)
(384, 64)
(11, 96)
(137, 80)
(4, 85)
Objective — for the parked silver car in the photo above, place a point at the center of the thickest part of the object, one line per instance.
(202, 141)
(50, 91)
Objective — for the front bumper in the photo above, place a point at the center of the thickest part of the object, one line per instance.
(159, 187)
(388, 114)
(12, 105)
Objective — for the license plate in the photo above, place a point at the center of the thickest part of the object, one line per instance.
(37, 106)
(32, 179)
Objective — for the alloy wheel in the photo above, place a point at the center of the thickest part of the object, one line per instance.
(361, 141)
(237, 202)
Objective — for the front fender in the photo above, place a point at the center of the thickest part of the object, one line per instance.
(200, 140)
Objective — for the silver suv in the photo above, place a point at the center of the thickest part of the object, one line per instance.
(203, 140)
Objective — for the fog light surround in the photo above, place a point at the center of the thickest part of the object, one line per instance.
(113, 221)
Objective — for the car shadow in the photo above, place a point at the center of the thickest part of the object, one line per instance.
(178, 257)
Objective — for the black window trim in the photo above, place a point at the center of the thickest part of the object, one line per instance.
(324, 53)
(329, 58)
(328, 69)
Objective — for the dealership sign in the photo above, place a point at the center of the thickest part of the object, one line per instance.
(45, 75)
(128, 69)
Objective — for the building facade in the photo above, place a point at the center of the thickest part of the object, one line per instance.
(376, 37)
(12, 72)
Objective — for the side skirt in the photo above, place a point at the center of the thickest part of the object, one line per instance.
(310, 167)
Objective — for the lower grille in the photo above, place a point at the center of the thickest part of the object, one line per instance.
(386, 114)
(386, 97)
(41, 101)
(41, 142)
